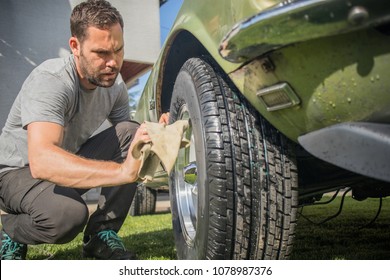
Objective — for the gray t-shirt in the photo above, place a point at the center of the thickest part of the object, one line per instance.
(52, 93)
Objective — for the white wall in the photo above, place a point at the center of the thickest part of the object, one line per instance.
(142, 29)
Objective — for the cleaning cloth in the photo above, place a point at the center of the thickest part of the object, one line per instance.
(166, 141)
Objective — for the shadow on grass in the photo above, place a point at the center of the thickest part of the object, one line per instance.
(346, 237)
(347, 243)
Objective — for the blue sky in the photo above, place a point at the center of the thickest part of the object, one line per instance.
(168, 13)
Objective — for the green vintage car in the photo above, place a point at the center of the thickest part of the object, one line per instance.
(287, 100)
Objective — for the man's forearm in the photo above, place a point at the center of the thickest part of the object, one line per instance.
(66, 169)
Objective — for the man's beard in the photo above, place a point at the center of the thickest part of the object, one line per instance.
(97, 81)
(94, 78)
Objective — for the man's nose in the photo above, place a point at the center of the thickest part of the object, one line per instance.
(112, 62)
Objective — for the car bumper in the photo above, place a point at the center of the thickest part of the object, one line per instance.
(363, 148)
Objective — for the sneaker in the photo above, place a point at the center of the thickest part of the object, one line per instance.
(106, 245)
(12, 250)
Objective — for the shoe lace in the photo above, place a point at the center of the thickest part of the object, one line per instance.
(111, 238)
(11, 250)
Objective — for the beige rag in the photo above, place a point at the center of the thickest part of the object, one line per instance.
(166, 141)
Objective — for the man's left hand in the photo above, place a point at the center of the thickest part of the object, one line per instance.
(164, 119)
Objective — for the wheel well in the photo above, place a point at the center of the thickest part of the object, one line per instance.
(184, 46)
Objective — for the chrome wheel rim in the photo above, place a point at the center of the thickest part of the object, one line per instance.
(186, 185)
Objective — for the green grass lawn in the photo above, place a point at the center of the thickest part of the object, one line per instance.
(151, 236)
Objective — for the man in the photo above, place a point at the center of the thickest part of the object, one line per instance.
(48, 158)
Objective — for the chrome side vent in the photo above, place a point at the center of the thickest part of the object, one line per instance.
(277, 97)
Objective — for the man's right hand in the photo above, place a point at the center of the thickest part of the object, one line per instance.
(131, 165)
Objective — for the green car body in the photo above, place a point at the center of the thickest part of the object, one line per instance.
(316, 70)
(345, 88)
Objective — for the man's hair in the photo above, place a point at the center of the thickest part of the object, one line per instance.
(96, 13)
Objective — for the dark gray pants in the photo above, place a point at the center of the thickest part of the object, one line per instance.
(42, 212)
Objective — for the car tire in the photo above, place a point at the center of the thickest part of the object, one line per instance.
(233, 192)
(144, 202)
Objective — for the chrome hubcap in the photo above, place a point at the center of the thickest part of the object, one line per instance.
(185, 178)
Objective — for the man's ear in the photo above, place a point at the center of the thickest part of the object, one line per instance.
(74, 45)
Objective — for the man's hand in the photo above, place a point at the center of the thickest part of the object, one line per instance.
(131, 165)
(164, 119)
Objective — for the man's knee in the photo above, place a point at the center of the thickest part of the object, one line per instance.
(125, 132)
(61, 214)
(66, 226)
(126, 129)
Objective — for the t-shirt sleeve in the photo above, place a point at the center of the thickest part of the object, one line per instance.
(43, 99)
(120, 112)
